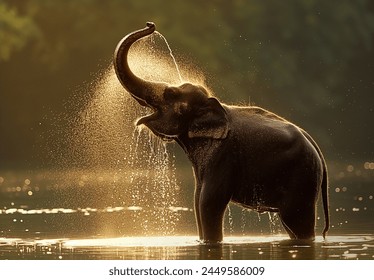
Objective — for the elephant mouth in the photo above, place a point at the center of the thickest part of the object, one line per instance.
(152, 116)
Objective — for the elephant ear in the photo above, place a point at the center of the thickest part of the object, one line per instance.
(210, 121)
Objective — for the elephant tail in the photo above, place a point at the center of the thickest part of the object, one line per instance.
(324, 184)
(325, 196)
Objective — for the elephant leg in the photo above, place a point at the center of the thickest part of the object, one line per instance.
(212, 209)
(197, 211)
(299, 222)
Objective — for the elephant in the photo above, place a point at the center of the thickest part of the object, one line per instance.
(246, 155)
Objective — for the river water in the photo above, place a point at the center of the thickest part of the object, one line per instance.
(187, 248)
(82, 215)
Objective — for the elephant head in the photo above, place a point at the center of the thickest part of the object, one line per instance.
(177, 110)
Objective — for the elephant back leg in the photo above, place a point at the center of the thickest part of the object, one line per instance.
(299, 222)
(298, 209)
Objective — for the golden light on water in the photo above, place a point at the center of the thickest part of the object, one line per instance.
(182, 247)
(189, 240)
(150, 241)
(88, 210)
(153, 241)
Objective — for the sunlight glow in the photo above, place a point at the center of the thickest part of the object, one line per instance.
(176, 241)
(172, 247)
(165, 241)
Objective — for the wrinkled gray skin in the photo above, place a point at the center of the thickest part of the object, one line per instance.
(245, 155)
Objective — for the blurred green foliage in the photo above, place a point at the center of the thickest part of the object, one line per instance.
(308, 60)
(15, 31)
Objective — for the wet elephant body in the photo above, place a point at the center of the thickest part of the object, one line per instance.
(265, 163)
(243, 154)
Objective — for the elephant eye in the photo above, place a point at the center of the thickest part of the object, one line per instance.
(180, 108)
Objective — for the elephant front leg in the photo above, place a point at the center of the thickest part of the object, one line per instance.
(212, 210)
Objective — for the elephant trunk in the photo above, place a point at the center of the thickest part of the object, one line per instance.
(145, 92)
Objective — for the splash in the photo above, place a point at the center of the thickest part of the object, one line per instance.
(104, 140)
(274, 223)
(153, 184)
(152, 59)
(116, 163)
(230, 220)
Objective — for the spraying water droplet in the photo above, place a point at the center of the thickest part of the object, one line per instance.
(231, 220)
(137, 168)
(171, 54)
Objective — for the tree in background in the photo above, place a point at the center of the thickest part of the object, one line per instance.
(15, 31)
(309, 60)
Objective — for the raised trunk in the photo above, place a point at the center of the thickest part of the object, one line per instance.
(145, 92)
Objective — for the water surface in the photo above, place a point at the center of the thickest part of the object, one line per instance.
(186, 247)
(104, 215)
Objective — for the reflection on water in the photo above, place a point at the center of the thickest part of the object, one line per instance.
(187, 247)
(86, 211)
